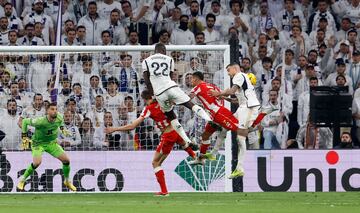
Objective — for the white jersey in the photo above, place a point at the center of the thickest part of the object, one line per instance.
(246, 93)
(159, 66)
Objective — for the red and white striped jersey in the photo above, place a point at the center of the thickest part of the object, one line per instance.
(154, 111)
(212, 104)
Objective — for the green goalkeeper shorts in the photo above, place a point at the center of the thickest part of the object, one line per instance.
(52, 148)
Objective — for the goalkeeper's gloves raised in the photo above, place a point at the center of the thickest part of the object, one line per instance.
(65, 132)
(25, 141)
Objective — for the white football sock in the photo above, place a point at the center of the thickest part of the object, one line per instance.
(241, 152)
(201, 112)
(180, 130)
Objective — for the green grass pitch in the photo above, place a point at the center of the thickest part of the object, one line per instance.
(182, 202)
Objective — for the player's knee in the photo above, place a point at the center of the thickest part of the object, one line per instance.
(66, 162)
(155, 163)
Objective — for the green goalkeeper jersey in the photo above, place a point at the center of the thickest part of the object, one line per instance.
(45, 131)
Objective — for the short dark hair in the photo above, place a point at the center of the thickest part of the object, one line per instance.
(210, 15)
(29, 25)
(113, 80)
(105, 31)
(232, 64)
(199, 75)
(340, 76)
(160, 48)
(10, 100)
(346, 133)
(92, 3)
(314, 79)
(51, 104)
(184, 16)
(80, 27)
(267, 60)
(76, 84)
(146, 94)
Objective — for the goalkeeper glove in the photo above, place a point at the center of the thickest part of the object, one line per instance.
(65, 132)
(25, 141)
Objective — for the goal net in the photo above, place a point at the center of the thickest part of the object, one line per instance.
(94, 87)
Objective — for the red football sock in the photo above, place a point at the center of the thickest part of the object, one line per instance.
(190, 152)
(203, 148)
(160, 176)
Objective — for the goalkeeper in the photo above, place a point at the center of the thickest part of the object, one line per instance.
(45, 139)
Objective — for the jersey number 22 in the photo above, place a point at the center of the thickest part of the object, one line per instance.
(164, 69)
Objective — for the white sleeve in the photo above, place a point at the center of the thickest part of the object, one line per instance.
(238, 80)
(145, 113)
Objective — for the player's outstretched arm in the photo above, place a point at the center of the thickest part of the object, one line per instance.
(127, 127)
(224, 93)
(24, 125)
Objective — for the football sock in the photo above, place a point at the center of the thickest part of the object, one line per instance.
(31, 168)
(201, 112)
(190, 152)
(180, 130)
(204, 146)
(66, 170)
(241, 152)
(160, 176)
(219, 142)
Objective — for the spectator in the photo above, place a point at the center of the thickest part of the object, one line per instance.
(80, 9)
(81, 35)
(264, 76)
(21, 100)
(38, 27)
(69, 40)
(97, 112)
(310, 136)
(106, 7)
(196, 21)
(67, 16)
(36, 109)
(82, 102)
(157, 21)
(4, 40)
(285, 16)
(87, 134)
(95, 88)
(106, 141)
(345, 26)
(83, 77)
(237, 19)
(243, 46)
(128, 14)
(182, 35)
(70, 105)
(14, 64)
(332, 79)
(272, 120)
(39, 73)
(173, 22)
(74, 139)
(212, 36)
(64, 94)
(345, 141)
(323, 11)
(303, 107)
(354, 70)
(8, 124)
(164, 37)
(113, 99)
(14, 21)
(12, 36)
(93, 23)
(39, 16)
(29, 39)
(264, 22)
(143, 19)
(117, 31)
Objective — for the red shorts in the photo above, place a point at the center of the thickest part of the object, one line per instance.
(224, 118)
(167, 142)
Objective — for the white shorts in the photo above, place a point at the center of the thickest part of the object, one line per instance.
(246, 116)
(172, 96)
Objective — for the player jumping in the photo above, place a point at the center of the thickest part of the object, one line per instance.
(222, 118)
(157, 70)
(246, 113)
(45, 139)
(168, 138)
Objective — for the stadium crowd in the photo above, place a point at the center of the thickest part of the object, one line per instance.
(320, 40)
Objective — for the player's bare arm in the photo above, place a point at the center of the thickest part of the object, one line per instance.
(127, 127)
(224, 93)
(147, 82)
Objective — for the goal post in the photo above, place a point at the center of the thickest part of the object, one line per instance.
(211, 59)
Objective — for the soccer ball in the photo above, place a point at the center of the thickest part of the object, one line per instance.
(252, 78)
